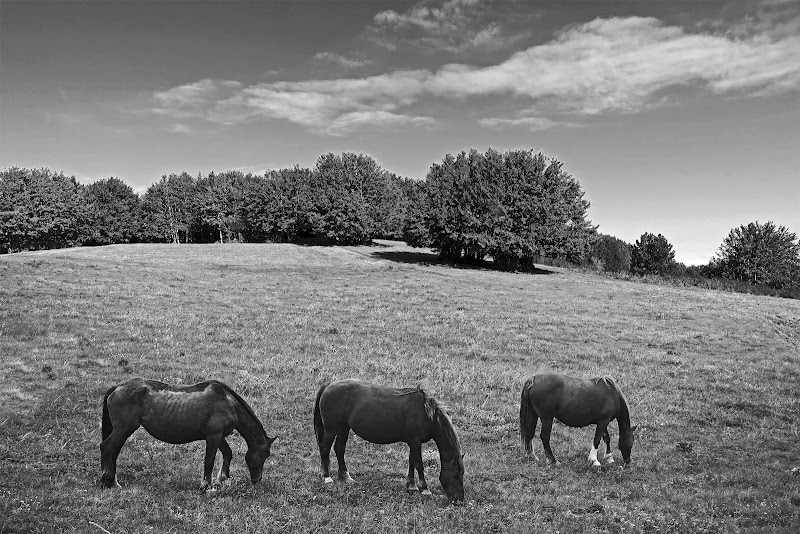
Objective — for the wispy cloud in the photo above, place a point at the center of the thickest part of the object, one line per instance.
(179, 129)
(340, 60)
(435, 25)
(607, 65)
(532, 123)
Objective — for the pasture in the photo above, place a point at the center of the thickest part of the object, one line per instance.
(712, 381)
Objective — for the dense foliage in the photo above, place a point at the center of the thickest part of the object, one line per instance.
(514, 207)
(345, 199)
(611, 254)
(760, 254)
(652, 254)
(40, 209)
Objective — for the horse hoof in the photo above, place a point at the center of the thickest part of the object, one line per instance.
(327, 480)
(411, 489)
(595, 464)
(426, 492)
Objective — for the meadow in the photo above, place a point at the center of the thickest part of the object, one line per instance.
(711, 377)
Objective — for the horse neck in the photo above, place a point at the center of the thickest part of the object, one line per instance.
(249, 428)
(624, 416)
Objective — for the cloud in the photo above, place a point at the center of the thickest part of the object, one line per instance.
(192, 96)
(342, 61)
(451, 26)
(622, 64)
(607, 65)
(179, 129)
(533, 123)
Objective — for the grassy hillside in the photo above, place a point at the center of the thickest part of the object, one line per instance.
(712, 379)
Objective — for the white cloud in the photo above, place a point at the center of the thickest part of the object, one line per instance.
(179, 129)
(193, 96)
(435, 25)
(330, 57)
(533, 123)
(606, 65)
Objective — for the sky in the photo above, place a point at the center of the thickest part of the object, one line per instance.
(679, 118)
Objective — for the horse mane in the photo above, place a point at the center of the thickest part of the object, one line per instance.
(437, 413)
(608, 381)
(623, 402)
(244, 404)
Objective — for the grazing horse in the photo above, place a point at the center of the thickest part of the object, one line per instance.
(381, 414)
(575, 402)
(208, 410)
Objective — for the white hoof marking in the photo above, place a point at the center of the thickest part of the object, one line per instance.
(327, 480)
(425, 492)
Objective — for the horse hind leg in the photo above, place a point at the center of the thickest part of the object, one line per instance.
(109, 451)
(325, 454)
(544, 434)
(339, 448)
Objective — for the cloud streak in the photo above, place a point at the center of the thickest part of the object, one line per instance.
(622, 65)
(452, 26)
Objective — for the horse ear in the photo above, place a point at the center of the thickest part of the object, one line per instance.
(463, 455)
(634, 428)
(271, 440)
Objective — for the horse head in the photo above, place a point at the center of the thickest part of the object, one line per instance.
(451, 476)
(255, 458)
(626, 439)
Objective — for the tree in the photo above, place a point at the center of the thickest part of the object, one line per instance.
(760, 254)
(652, 254)
(219, 204)
(514, 207)
(168, 209)
(113, 210)
(40, 209)
(611, 253)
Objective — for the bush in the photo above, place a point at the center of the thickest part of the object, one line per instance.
(611, 254)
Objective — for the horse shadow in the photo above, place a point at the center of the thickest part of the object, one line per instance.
(430, 259)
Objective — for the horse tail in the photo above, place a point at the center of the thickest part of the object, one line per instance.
(319, 427)
(527, 418)
(107, 426)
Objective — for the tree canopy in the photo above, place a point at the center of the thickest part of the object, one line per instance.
(652, 254)
(760, 254)
(514, 207)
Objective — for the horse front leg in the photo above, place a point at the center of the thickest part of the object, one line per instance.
(109, 451)
(227, 454)
(411, 485)
(415, 462)
(339, 447)
(608, 458)
(544, 434)
(212, 445)
(599, 432)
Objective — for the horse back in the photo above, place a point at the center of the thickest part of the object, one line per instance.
(375, 413)
(574, 401)
(174, 414)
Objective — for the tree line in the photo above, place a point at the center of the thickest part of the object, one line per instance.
(515, 208)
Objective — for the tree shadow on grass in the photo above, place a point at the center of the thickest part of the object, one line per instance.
(429, 258)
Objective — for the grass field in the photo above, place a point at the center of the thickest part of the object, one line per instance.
(712, 379)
